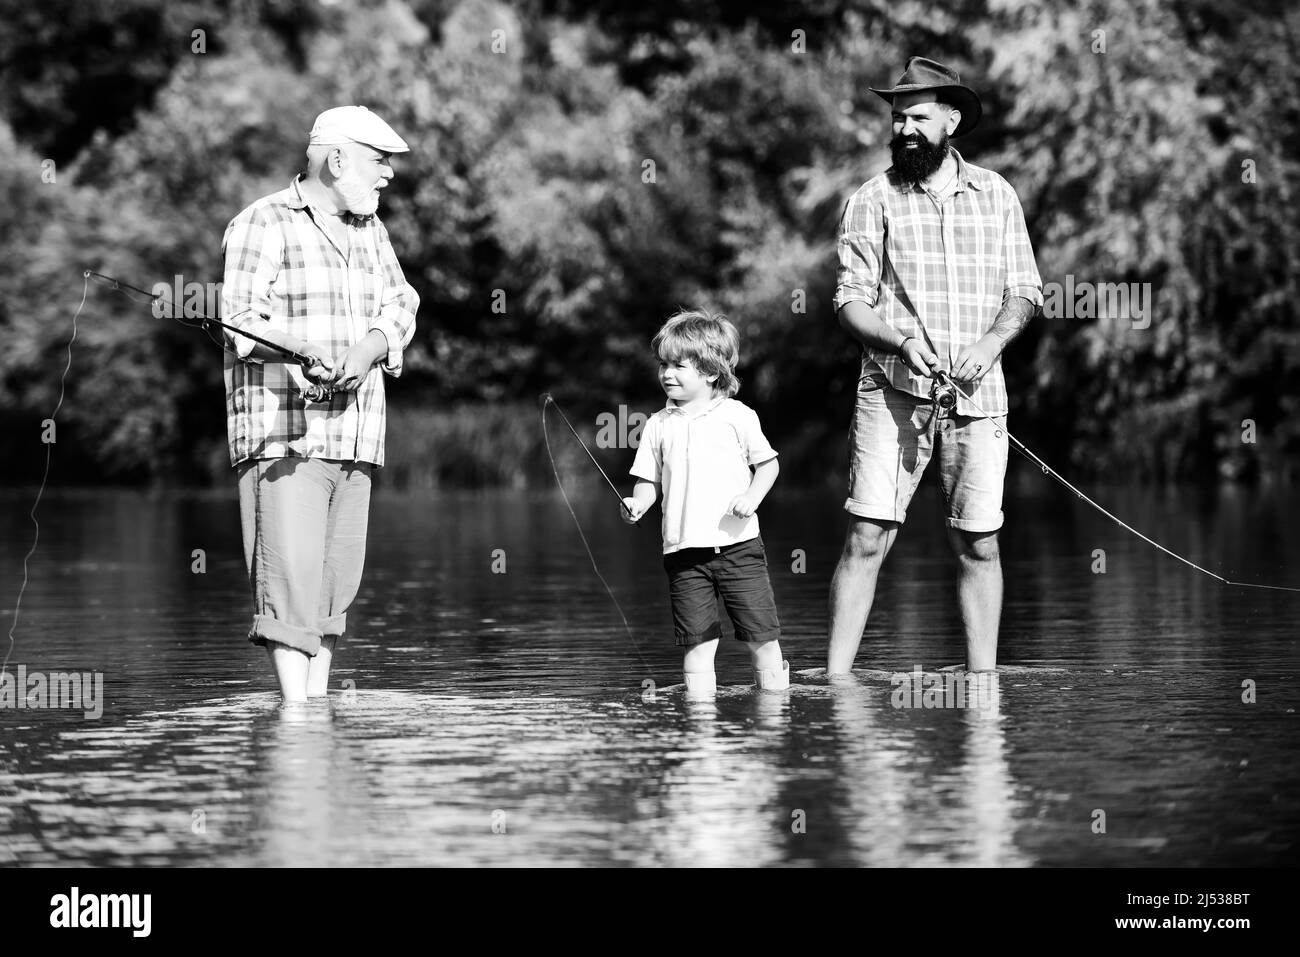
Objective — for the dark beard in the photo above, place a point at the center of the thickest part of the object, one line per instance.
(914, 167)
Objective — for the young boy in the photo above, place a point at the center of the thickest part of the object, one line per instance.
(697, 452)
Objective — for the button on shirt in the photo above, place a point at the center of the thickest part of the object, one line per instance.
(702, 461)
(946, 263)
(284, 271)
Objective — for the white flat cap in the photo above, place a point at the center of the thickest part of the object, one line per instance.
(355, 124)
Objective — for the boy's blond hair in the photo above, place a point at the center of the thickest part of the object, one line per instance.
(709, 341)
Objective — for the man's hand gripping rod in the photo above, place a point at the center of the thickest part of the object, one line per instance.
(315, 391)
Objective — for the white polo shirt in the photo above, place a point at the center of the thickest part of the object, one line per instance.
(702, 460)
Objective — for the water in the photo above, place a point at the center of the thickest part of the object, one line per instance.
(490, 719)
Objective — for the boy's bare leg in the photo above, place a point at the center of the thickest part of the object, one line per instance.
(771, 671)
(701, 683)
(979, 594)
(699, 658)
(766, 655)
(318, 668)
(291, 667)
(853, 588)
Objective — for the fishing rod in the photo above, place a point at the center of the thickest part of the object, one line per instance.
(1048, 470)
(315, 391)
(549, 400)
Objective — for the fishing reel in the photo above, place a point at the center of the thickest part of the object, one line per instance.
(944, 394)
(315, 391)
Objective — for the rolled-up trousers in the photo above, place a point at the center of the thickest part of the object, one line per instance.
(304, 524)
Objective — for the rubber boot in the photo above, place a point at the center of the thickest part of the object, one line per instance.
(701, 685)
(768, 680)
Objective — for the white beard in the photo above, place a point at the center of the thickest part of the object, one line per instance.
(359, 197)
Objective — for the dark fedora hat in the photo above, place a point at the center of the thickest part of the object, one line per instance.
(926, 76)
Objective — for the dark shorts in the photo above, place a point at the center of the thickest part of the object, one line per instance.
(737, 573)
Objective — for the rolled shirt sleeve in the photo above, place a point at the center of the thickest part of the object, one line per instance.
(253, 249)
(1022, 278)
(397, 309)
(861, 239)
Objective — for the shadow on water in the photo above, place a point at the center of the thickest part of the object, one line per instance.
(489, 709)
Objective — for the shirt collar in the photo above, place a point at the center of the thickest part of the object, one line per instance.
(293, 197)
(967, 175)
(678, 410)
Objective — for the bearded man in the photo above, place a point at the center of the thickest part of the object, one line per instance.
(936, 274)
(311, 269)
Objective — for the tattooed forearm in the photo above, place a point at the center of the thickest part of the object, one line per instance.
(1011, 320)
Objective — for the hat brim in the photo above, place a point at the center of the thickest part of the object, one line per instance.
(339, 139)
(962, 98)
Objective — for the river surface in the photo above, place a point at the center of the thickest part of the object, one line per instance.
(490, 708)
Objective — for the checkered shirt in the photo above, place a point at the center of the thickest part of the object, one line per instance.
(944, 268)
(284, 272)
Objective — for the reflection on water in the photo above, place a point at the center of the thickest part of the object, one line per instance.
(900, 781)
(485, 718)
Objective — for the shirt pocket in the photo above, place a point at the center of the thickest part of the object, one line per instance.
(368, 278)
(289, 291)
(979, 235)
(980, 232)
(904, 236)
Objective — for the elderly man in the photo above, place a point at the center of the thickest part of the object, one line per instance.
(311, 269)
(936, 273)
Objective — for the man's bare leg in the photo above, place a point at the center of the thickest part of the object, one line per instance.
(291, 668)
(979, 594)
(853, 588)
(318, 668)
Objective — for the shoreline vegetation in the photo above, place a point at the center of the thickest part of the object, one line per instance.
(579, 170)
(502, 446)
(497, 445)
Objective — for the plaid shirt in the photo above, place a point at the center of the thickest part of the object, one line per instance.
(949, 264)
(281, 264)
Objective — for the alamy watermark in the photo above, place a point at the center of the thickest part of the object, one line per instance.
(949, 689)
(53, 690)
(189, 299)
(621, 429)
(1128, 301)
(76, 910)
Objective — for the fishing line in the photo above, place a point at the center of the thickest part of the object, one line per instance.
(316, 392)
(549, 400)
(14, 753)
(1048, 470)
(49, 451)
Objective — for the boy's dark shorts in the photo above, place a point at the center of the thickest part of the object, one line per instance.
(697, 576)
